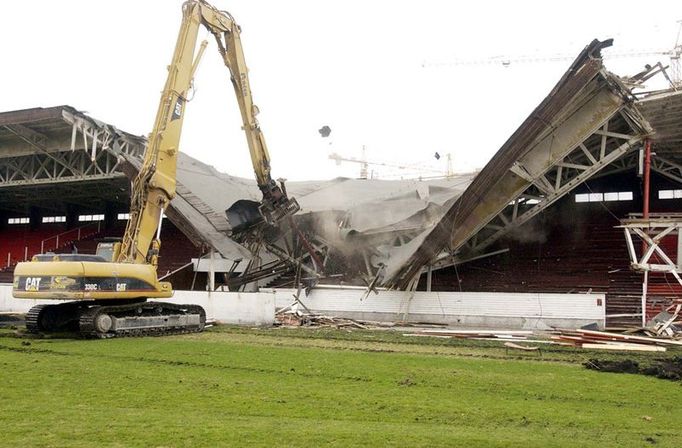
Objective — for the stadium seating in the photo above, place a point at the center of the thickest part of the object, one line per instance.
(18, 240)
(176, 249)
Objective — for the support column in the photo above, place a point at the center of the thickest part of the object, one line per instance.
(679, 249)
(429, 277)
(647, 178)
(645, 215)
(211, 272)
(645, 287)
(34, 215)
(71, 216)
(109, 215)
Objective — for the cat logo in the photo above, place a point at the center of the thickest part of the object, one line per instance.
(121, 287)
(32, 283)
(177, 109)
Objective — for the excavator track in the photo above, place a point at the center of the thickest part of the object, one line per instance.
(33, 318)
(53, 318)
(141, 319)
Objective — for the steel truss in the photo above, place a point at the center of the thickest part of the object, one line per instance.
(55, 167)
(96, 135)
(94, 154)
(650, 233)
(610, 148)
(667, 168)
(600, 149)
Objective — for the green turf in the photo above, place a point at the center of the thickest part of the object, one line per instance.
(241, 387)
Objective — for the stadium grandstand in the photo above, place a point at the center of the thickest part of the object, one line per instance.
(542, 216)
(62, 188)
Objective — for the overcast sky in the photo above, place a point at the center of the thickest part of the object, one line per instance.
(353, 65)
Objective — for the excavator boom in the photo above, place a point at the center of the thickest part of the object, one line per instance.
(154, 186)
(275, 205)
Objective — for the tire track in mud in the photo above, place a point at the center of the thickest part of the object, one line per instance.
(178, 363)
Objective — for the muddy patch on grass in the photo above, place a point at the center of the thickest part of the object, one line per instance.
(11, 321)
(666, 369)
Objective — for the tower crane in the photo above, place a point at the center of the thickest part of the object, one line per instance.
(364, 164)
(674, 53)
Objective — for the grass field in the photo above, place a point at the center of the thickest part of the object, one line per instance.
(248, 387)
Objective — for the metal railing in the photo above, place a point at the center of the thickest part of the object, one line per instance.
(69, 236)
(53, 242)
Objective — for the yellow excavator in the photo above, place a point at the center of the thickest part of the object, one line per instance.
(106, 293)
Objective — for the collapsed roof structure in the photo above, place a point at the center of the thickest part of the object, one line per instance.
(347, 230)
(47, 153)
(586, 123)
(386, 233)
(358, 231)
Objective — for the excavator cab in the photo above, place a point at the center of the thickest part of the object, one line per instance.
(109, 249)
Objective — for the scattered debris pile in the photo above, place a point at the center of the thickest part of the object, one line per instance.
(600, 340)
(296, 318)
(663, 325)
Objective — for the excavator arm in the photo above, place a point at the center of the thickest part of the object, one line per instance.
(154, 186)
(275, 204)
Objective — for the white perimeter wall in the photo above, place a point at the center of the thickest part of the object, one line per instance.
(240, 308)
(470, 309)
(224, 307)
(9, 304)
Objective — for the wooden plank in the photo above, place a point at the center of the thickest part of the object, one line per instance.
(479, 332)
(534, 341)
(625, 347)
(426, 335)
(627, 337)
(521, 347)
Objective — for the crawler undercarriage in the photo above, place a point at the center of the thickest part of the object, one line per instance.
(101, 319)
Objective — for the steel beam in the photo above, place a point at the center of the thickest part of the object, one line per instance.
(599, 150)
(91, 135)
(41, 168)
(94, 154)
(518, 211)
(667, 168)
